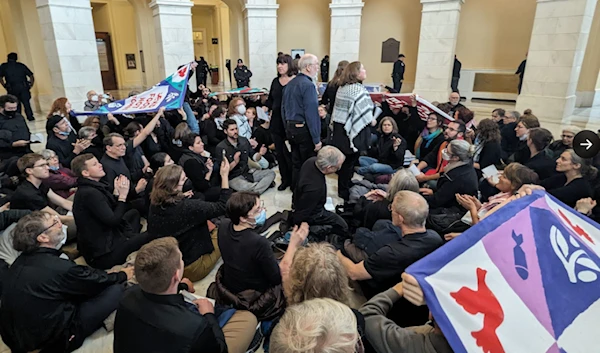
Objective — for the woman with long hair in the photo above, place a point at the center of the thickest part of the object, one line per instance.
(573, 181)
(387, 155)
(487, 145)
(431, 136)
(62, 107)
(328, 98)
(172, 213)
(540, 159)
(352, 117)
(525, 123)
(285, 73)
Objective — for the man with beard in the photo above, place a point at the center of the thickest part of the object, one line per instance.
(433, 164)
(454, 102)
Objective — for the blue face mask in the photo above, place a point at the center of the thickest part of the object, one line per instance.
(260, 220)
(64, 133)
(53, 167)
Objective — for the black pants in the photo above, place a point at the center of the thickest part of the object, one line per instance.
(24, 96)
(345, 176)
(397, 84)
(520, 84)
(327, 218)
(284, 158)
(454, 84)
(202, 80)
(302, 148)
(120, 251)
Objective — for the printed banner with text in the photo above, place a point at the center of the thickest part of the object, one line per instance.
(169, 93)
(525, 279)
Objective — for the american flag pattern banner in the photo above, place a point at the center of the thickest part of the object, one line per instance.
(399, 100)
(168, 93)
(526, 279)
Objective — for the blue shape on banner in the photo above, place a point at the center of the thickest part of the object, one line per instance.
(520, 258)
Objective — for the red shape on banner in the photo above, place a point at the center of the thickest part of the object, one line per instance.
(483, 301)
(578, 230)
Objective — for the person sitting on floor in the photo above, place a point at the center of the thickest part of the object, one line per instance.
(487, 146)
(174, 214)
(389, 151)
(383, 269)
(573, 180)
(432, 165)
(49, 303)
(522, 152)
(556, 148)
(322, 323)
(540, 161)
(114, 165)
(198, 167)
(250, 278)
(155, 317)
(96, 147)
(311, 193)
(431, 137)
(61, 180)
(237, 150)
(107, 232)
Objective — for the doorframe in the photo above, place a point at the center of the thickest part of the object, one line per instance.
(204, 39)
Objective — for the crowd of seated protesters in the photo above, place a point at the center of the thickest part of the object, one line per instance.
(179, 170)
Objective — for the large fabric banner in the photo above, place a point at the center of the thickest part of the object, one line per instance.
(526, 279)
(240, 91)
(399, 100)
(169, 93)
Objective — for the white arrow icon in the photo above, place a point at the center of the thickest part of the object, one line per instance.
(587, 144)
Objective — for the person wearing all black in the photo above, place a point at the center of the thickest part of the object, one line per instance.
(488, 150)
(325, 69)
(300, 111)
(311, 193)
(242, 74)
(455, 74)
(510, 141)
(384, 268)
(264, 138)
(199, 169)
(156, 317)
(521, 73)
(387, 155)
(173, 214)
(572, 183)
(557, 147)
(458, 177)
(540, 160)
(14, 132)
(202, 71)
(17, 79)
(63, 141)
(50, 303)
(522, 129)
(398, 73)
(285, 70)
(107, 231)
(213, 130)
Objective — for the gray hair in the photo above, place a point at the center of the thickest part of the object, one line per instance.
(306, 60)
(402, 180)
(86, 131)
(317, 325)
(47, 154)
(572, 129)
(462, 149)
(413, 208)
(329, 156)
(514, 114)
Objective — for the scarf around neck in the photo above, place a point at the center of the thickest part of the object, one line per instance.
(353, 109)
(428, 137)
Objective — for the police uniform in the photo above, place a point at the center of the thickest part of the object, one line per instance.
(15, 74)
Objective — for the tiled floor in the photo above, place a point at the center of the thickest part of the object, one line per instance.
(101, 341)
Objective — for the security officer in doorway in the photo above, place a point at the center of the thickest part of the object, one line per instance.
(17, 79)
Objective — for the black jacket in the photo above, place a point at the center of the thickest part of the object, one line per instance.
(99, 219)
(456, 68)
(62, 148)
(510, 141)
(164, 323)
(311, 192)
(214, 136)
(242, 76)
(195, 168)
(11, 130)
(384, 151)
(41, 299)
(460, 180)
(186, 220)
(399, 68)
(246, 151)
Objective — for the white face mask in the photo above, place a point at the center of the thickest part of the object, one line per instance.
(241, 109)
(446, 156)
(94, 98)
(524, 137)
(63, 240)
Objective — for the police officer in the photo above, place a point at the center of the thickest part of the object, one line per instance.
(242, 74)
(17, 79)
(398, 73)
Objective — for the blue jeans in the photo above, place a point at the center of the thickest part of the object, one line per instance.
(191, 118)
(372, 166)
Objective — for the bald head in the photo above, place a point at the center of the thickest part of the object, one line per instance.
(412, 207)
(309, 64)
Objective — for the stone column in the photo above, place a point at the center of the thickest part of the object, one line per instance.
(174, 39)
(70, 45)
(558, 42)
(596, 100)
(437, 44)
(261, 29)
(346, 17)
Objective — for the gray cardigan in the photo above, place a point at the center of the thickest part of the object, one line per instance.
(387, 337)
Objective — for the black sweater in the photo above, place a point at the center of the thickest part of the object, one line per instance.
(510, 141)
(186, 220)
(384, 150)
(460, 180)
(195, 168)
(248, 261)
(572, 192)
(310, 194)
(543, 164)
(11, 130)
(62, 148)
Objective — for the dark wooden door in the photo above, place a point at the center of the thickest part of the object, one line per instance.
(107, 64)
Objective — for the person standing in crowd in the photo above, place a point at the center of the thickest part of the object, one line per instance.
(398, 73)
(155, 317)
(455, 74)
(325, 69)
(242, 74)
(285, 74)
(521, 73)
(51, 304)
(107, 232)
(18, 80)
(556, 148)
(328, 98)
(311, 194)
(352, 117)
(14, 132)
(202, 72)
(237, 150)
(300, 110)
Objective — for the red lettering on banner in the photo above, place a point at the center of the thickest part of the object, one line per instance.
(485, 302)
(181, 72)
(578, 230)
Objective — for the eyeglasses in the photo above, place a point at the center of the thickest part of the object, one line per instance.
(261, 206)
(41, 165)
(451, 129)
(567, 136)
(56, 221)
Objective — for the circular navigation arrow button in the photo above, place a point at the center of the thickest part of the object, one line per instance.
(586, 144)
